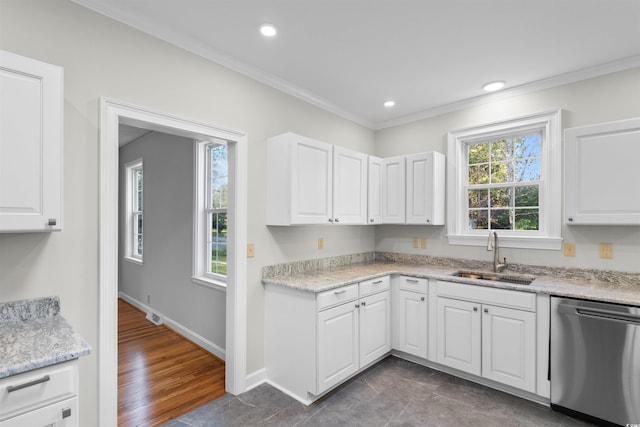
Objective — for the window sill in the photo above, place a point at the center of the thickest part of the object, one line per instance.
(209, 283)
(132, 260)
(520, 242)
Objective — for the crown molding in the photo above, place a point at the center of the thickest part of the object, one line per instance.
(559, 80)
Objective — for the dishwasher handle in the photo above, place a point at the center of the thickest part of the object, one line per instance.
(608, 315)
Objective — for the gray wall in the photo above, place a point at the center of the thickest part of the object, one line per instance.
(602, 99)
(165, 275)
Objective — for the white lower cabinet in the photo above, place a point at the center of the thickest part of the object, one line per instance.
(410, 321)
(351, 336)
(338, 355)
(316, 341)
(45, 397)
(488, 340)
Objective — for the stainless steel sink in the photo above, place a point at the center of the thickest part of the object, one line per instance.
(518, 279)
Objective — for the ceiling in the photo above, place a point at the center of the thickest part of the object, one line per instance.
(429, 56)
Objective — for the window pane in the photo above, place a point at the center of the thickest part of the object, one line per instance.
(501, 197)
(527, 146)
(501, 219)
(500, 173)
(527, 196)
(527, 169)
(218, 243)
(479, 174)
(479, 219)
(478, 198)
(527, 219)
(500, 150)
(478, 153)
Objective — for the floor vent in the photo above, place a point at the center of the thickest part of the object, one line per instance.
(155, 318)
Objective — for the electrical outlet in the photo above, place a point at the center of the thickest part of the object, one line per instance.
(251, 252)
(606, 250)
(423, 243)
(320, 243)
(148, 299)
(415, 242)
(569, 249)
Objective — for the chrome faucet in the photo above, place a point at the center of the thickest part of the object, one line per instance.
(494, 245)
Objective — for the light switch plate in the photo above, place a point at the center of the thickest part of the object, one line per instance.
(415, 242)
(423, 243)
(250, 250)
(320, 243)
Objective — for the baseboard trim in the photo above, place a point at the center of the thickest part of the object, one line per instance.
(197, 339)
(256, 378)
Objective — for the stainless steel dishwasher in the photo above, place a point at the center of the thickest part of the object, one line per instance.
(595, 360)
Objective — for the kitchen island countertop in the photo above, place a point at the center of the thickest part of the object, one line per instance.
(34, 335)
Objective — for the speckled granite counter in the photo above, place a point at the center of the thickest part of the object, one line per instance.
(329, 273)
(33, 335)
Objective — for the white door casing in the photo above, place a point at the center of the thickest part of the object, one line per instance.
(112, 113)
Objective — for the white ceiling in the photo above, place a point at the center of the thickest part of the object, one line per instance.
(430, 56)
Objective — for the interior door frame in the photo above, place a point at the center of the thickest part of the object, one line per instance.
(112, 114)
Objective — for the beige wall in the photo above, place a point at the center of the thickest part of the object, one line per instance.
(607, 98)
(102, 57)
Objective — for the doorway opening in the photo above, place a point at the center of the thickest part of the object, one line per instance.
(112, 114)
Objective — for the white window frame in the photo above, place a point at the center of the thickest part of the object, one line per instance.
(131, 170)
(201, 229)
(550, 191)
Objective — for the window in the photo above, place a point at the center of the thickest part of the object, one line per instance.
(210, 259)
(134, 220)
(216, 209)
(506, 177)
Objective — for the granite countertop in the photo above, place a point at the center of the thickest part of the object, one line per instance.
(606, 286)
(33, 335)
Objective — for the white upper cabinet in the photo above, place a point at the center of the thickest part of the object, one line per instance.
(312, 182)
(349, 186)
(30, 144)
(425, 188)
(602, 173)
(299, 180)
(374, 207)
(393, 190)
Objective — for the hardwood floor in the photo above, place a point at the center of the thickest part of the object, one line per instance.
(161, 375)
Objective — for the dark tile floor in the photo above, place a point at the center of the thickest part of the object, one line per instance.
(392, 393)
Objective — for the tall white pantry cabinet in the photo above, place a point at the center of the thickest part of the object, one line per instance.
(31, 97)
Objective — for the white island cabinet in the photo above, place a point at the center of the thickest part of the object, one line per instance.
(315, 341)
(602, 174)
(43, 397)
(312, 182)
(30, 144)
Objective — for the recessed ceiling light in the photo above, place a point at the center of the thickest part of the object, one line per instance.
(268, 30)
(389, 104)
(493, 86)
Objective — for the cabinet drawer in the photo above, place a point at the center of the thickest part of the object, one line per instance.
(61, 414)
(413, 284)
(336, 296)
(37, 388)
(488, 295)
(374, 286)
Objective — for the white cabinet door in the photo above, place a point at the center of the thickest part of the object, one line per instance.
(375, 327)
(425, 188)
(337, 345)
(349, 186)
(393, 190)
(459, 335)
(30, 144)
(601, 173)
(299, 180)
(509, 346)
(411, 322)
(375, 190)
